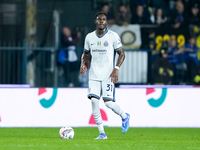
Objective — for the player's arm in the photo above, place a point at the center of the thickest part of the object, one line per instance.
(84, 59)
(121, 57)
(120, 60)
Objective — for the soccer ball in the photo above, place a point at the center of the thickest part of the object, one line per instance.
(66, 132)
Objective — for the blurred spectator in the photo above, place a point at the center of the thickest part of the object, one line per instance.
(134, 3)
(177, 58)
(191, 58)
(151, 12)
(159, 17)
(163, 69)
(191, 50)
(176, 54)
(140, 17)
(106, 8)
(155, 52)
(179, 18)
(67, 57)
(195, 15)
(123, 15)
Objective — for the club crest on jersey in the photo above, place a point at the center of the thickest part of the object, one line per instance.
(105, 43)
(99, 43)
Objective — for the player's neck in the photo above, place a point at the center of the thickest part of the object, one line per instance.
(101, 32)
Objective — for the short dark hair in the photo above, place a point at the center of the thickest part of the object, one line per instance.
(100, 13)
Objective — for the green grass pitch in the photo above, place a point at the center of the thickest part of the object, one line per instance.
(134, 139)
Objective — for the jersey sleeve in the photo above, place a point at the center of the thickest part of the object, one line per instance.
(117, 42)
(86, 44)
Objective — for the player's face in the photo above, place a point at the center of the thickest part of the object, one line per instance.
(101, 22)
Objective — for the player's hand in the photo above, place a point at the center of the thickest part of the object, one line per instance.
(83, 69)
(114, 76)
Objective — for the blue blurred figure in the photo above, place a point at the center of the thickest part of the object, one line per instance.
(191, 50)
(191, 58)
(175, 54)
(177, 58)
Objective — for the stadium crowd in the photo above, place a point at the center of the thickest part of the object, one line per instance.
(170, 33)
(176, 27)
(170, 36)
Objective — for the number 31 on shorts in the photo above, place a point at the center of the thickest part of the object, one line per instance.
(109, 87)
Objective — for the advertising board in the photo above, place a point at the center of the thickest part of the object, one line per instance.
(51, 107)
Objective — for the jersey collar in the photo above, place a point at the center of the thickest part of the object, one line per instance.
(102, 35)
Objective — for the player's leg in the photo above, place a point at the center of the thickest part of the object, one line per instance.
(108, 89)
(94, 93)
(97, 117)
(116, 108)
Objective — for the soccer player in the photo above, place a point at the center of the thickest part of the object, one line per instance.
(102, 44)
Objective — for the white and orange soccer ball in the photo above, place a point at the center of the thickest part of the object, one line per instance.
(66, 132)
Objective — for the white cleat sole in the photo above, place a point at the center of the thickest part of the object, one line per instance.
(105, 138)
